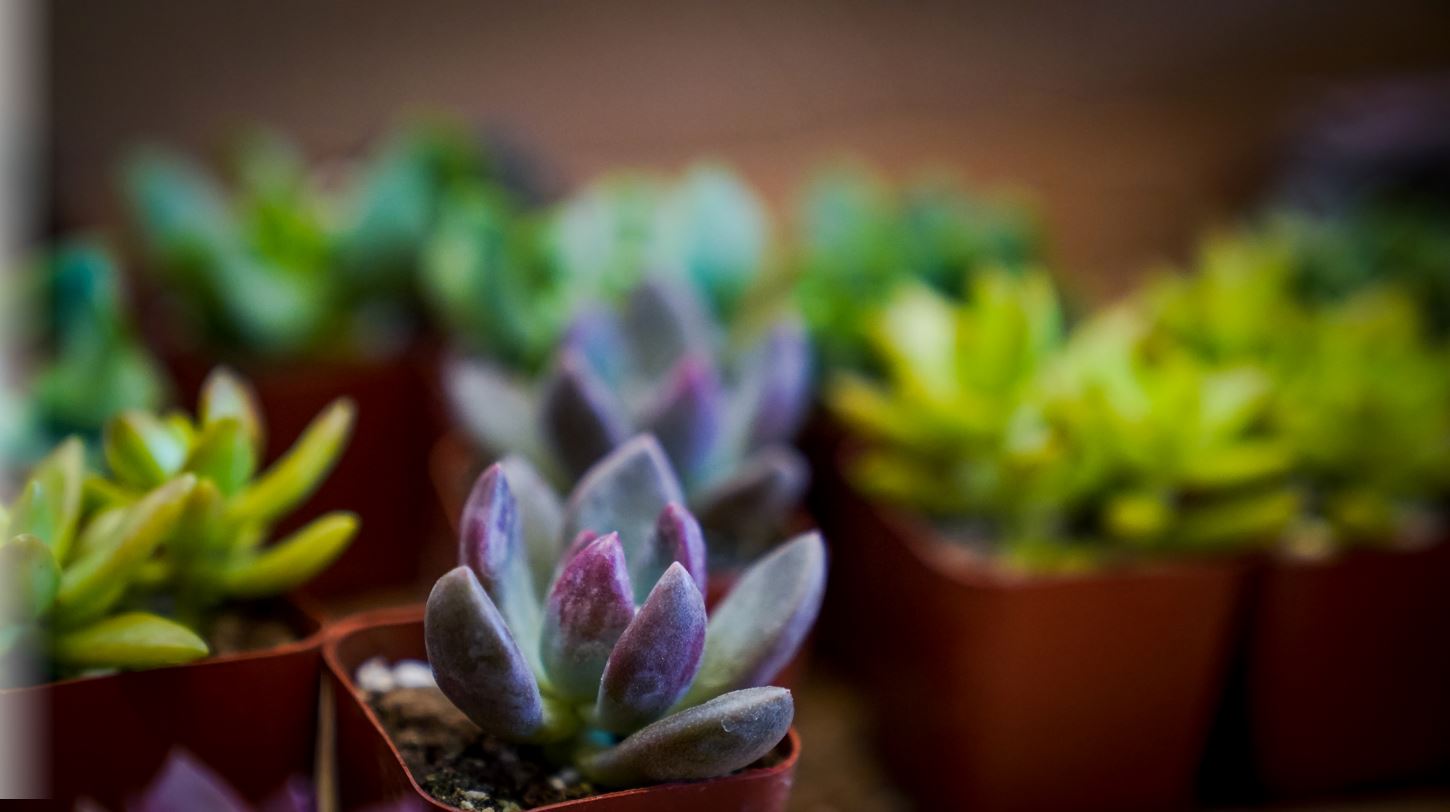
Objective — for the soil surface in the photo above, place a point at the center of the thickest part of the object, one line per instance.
(250, 627)
(460, 766)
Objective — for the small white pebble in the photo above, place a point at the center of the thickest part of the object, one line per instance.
(374, 676)
(465, 804)
(475, 795)
(556, 783)
(413, 674)
(569, 775)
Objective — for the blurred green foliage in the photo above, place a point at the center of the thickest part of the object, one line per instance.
(67, 314)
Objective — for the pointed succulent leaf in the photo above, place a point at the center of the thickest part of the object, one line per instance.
(225, 455)
(142, 450)
(624, 493)
(750, 506)
(31, 579)
(584, 539)
(688, 416)
(756, 630)
(596, 337)
(776, 387)
(541, 515)
(292, 561)
(299, 471)
(92, 582)
(53, 514)
(497, 413)
(580, 415)
(663, 324)
(225, 396)
(491, 544)
(725, 734)
(476, 661)
(676, 538)
(588, 609)
(184, 783)
(656, 657)
(129, 640)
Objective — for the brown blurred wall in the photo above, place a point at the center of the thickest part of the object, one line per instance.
(1133, 123)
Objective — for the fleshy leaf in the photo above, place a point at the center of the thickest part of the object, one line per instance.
(186, 784)
(92, 582)
(225, 455)
(663, 324)
(581, 418)
(676, 538)
(491, 544)
(725, 734)
(292, 561)
(31, 579)
(225, 396)
(53, 514)
(129, 640)
(688, 417)
(142, 450)
(541, 514)
(476, 661)
(756, 630)
(292, 478)
(595, 336)
(624, 493)
(776, 387)
(588, 609)
(656, 657)
(749, 507)
(495, 411)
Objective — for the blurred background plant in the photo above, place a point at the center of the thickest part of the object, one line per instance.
(857, 238)
(69, 316)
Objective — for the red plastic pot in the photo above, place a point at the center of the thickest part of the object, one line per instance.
(379, 474)
(373, 772)
(1088, 692)
(1346, 673)
(250, 717)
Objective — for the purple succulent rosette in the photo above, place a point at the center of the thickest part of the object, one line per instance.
(581, 624)
(656, 367)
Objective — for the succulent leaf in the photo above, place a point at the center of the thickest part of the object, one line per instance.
(588, 609)
(541, 514)
(32, 578)
(226, 396)
(582, 421)
(143, 451)
(293, 477)
(53, 513)
(477, 662)
(656, 657)
(676, 538)
(91, 583)
(294, 560)
(725, 734)
(688, 417)
(491, 544)
(747, 509)
(756, 630)
(664, 323)
(624, 493)
(224, 454)
(129, 640)
(495, 411)
(185, 783)
(776, 387)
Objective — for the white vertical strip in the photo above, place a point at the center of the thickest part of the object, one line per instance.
(23, 729)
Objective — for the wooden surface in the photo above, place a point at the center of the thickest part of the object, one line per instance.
(1132, 122)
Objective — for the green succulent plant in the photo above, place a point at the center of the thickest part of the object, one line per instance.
(859, 239)
(69, 565)
(69, 311)
(1056, 449)
(219, 550)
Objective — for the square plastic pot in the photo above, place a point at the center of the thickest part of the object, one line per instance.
(373, 772)
(376, 477)
(1086, 692)
(252, 718)
(1346, 671)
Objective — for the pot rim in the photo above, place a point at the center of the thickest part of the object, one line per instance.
(402, 615)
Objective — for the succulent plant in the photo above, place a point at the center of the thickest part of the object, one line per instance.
(70, 313)
(68, 565)
(1061, 449)
(184, 782)
(858, 239)
(581, 625)
(655, 367)
(218, 548)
